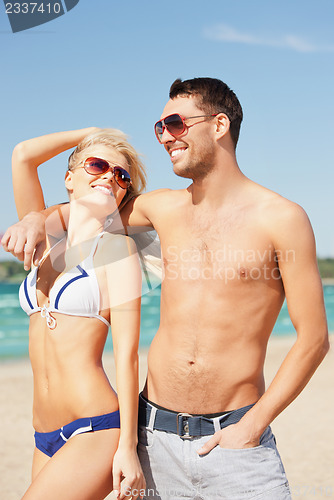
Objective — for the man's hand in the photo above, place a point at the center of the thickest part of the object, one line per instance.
(126, 468)
(234, 436)
(24, 237)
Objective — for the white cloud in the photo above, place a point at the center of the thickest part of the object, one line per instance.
(225, 33)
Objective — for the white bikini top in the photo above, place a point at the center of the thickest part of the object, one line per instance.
(75, 292)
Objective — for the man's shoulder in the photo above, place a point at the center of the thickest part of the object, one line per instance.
(159, 197)
(273, 205)
(162, 192)
(279, 216)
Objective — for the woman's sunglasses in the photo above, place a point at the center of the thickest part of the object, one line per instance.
(175, 124)
(97, 166)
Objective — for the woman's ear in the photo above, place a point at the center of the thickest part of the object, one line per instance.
(222, 125)
(69, 180)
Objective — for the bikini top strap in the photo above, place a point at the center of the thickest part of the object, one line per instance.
(94, 247)
(48, 252)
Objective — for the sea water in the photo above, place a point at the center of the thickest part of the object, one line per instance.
(14, 323)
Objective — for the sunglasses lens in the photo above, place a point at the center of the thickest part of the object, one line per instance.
(122, 177)
(174, 124)
(159, 130)
(96, 166)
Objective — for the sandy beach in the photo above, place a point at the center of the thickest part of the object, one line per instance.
(304, 431)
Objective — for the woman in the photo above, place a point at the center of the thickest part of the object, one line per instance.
(85, 435)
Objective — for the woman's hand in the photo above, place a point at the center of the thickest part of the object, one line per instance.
(128, 478)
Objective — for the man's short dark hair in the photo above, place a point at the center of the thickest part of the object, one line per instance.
(214, 96)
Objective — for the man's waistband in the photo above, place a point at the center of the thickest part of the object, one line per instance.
(183, 424)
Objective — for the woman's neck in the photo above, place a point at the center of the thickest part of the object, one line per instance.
(84, 225)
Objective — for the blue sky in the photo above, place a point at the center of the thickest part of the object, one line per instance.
(110, 63)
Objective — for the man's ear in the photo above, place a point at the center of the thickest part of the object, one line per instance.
(222, 125)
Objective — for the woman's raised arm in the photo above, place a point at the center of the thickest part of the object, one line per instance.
(28, 155)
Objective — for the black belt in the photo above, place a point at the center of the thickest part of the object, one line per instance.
(184, 424)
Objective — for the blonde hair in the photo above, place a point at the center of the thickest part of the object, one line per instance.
(117, 140)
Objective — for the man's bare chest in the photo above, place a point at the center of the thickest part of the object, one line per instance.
(221, 252)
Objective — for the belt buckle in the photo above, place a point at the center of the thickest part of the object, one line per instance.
(185, 427)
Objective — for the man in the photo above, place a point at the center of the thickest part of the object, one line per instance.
(232, 251)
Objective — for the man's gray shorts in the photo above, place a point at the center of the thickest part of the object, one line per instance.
(173, 470)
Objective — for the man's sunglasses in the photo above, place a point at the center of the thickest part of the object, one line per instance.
(175, 124)
(97, 166)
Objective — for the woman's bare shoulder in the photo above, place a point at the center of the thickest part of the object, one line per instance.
(114, 247)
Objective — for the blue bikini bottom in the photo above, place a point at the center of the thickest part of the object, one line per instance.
(50, 442)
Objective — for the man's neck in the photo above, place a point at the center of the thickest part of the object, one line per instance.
(219, 186)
